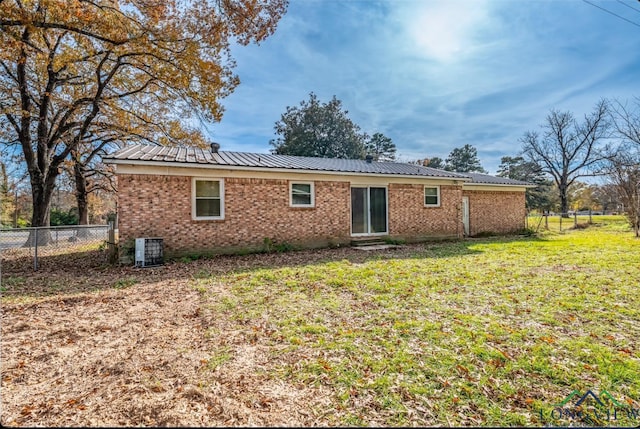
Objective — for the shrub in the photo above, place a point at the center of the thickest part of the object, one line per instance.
(60, 217)
(394, 241)
(270, 245)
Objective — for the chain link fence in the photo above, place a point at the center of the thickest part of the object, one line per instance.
(55, 240)
(572, 220)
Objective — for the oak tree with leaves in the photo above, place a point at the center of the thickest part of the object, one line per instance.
(464, 160)
(325, 130)
(86, 72)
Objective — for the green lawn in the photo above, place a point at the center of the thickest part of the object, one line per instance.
(480, 332)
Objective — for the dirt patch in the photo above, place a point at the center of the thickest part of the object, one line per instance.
(133, 356)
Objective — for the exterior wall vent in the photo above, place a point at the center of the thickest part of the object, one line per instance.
(149, 252)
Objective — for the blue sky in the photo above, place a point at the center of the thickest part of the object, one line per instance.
(436, 74)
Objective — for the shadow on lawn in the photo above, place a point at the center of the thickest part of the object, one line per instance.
(90, 271)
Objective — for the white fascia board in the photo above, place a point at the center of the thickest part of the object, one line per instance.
(481, 186)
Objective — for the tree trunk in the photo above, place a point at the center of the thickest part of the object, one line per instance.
(5, 198)
(40, 218)
(635, 213)
(564, 203)
(82, 199)
(81, 196)
(15, 211)
(42, 193)
(41, 212)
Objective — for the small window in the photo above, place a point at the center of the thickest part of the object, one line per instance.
(208, 199)
(432, 196)
(302, 194)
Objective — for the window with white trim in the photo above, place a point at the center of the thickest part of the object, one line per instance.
(432, 196)
(301, 194)
(208, 199)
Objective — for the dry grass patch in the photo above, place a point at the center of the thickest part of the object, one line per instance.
(137, 356)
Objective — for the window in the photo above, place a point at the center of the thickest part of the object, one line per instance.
(208, 199)
(432, 196)
(302, 194)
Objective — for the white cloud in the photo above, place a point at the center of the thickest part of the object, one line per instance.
(444, 31)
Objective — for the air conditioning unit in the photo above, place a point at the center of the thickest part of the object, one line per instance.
(149, 252)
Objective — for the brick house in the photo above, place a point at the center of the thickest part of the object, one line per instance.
(215, 201)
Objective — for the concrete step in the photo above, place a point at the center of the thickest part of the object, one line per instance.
(367, 242)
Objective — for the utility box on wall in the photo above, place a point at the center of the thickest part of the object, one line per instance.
(149, 252)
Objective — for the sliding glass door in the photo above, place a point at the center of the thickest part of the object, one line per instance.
(368, 210)
(359, 211)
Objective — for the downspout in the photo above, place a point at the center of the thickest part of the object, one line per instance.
(459, 233)
(459, 218)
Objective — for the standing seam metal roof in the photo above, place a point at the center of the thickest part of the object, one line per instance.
(191, 155)
(480, 178)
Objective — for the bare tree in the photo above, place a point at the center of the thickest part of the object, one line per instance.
(624, 164)
(626, 119)
(624, 175)
(568, 149)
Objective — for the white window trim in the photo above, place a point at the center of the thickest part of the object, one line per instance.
(193, 198)
(313, 194)
(424, 196)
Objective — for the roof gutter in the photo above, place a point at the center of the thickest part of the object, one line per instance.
(507, 185)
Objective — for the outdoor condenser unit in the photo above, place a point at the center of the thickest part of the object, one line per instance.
(149, 252)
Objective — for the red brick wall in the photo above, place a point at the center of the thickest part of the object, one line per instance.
(255, 209)
(160, 206)
(495, 212)
(410, 219)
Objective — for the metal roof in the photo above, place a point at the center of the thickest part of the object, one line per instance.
(480, 179)
(140, 154)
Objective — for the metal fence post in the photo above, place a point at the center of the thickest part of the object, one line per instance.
(561, 222)
(35, 252)
(546, 219)
(111, 239)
